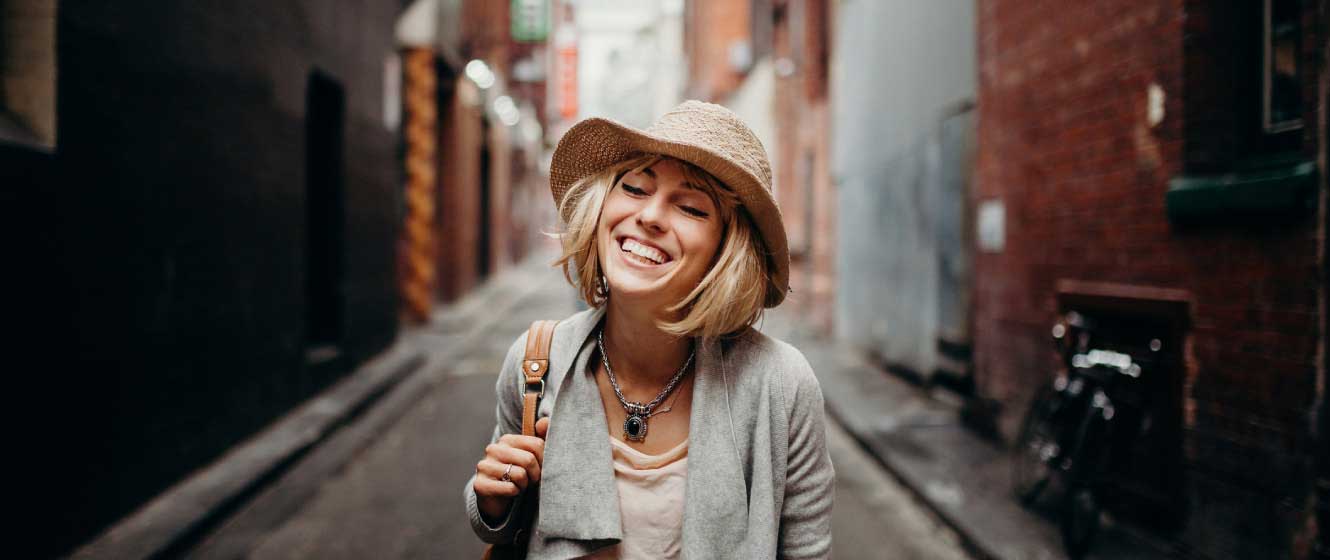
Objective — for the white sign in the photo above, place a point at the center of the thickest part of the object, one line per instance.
(991, 225)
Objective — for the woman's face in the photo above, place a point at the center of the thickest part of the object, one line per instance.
(657, 236)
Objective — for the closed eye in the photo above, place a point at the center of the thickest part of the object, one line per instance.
(694, 211)
(632, 190)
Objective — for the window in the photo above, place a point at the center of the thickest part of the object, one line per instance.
(1281, 88)
(1245, 90)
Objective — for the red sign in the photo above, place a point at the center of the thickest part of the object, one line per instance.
(566, 62)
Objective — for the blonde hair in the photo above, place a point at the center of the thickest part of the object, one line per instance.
(730, 295)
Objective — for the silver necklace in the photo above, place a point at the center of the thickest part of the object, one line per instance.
(635, 425)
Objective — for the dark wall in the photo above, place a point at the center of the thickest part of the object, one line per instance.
(160, 254)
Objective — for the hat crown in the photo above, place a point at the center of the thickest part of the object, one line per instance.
(716, 129)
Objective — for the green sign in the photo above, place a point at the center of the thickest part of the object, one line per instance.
(530, 20)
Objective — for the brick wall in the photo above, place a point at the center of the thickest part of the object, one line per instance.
(802, 155)
(476, 164)
(711, 28)
(1066, 146)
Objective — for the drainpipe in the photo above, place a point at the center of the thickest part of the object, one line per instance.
(1322, 428)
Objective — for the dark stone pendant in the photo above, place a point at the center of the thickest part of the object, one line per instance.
(635, 425)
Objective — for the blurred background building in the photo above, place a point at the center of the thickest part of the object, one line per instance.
(1159, 166)
(217, 212)
(215, 223)
(203, 207)
(903, 147)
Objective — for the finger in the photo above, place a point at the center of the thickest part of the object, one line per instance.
(495, 470)
(542, 427)
(487, 487)
(532, 444)
(514, 456)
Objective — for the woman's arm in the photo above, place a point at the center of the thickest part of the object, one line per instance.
(805, 518)
(508, 420)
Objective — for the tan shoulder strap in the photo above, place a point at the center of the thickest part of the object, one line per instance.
(534, 366)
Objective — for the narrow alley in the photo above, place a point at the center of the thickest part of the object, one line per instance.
(1061, 271)
(395, 492)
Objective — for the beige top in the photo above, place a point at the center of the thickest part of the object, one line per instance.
(651, 489)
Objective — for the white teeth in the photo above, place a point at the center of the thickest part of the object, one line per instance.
(643, 251)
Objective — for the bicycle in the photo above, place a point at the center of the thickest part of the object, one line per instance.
(1067, 435)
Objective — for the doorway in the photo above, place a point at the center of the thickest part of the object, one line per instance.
(325, 108)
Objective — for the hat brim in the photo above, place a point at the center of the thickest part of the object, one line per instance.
(597, 143)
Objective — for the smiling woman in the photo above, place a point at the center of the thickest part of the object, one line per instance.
(657, 204)
(670, 427)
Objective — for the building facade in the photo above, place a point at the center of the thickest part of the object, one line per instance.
(770, 62)
(205, 237)
(903, 120)
(479, 140)
(1159, 166)
(212, 210)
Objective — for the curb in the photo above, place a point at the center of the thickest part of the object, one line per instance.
(284, 496)
(981, 536)
(969, 540)
(175, 519)
(180, 518)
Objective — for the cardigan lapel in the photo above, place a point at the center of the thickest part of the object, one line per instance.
(579, 499)
(578, 496)
(716, 495)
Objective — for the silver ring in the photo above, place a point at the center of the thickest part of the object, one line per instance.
(505, 477)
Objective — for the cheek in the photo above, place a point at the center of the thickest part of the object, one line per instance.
(706, 244)
(610, 215)
(613, 211)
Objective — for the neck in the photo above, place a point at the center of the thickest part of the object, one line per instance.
(641, 354)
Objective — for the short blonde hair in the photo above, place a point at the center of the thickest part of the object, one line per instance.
(729, 297)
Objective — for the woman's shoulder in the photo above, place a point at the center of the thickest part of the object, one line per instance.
(581, 321)
(754, 350)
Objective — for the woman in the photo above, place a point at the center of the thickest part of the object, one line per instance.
(670, 427)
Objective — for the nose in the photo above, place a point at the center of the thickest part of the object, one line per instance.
(651, 215)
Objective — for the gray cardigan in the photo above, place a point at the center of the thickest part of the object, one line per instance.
(760, 481)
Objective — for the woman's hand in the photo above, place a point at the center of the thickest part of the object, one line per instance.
(525, 454)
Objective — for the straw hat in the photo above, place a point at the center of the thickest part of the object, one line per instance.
(706, 135)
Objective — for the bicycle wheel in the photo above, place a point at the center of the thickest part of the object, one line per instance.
(1080, 505)
(1036, 447)
(1080, 520)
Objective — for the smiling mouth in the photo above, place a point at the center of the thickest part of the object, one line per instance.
(643, 253)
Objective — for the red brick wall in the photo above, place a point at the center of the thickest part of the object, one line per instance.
(461, 135)
(710, 28)
(802, 157)
(1066, 146)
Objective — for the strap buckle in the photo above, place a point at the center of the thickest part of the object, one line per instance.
(538, 382)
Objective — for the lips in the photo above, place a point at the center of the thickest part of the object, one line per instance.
(644, 251)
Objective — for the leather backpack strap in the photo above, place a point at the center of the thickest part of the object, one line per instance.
(535, 365)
